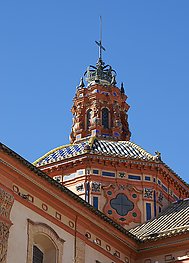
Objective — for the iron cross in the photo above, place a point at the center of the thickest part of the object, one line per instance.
(100, 42)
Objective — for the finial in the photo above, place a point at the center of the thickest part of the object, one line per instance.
(113, 82)
(100, 42)
(96, 77)
(81, 84)
(122, 88)
(158, 156)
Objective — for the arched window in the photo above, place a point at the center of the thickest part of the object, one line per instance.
(44, 249)
(44, 245)
(89, 114)
(37, 255)
(105, 118)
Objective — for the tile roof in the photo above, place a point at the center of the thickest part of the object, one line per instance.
(68, 192)
(121, 148)
(173, 220)
(124, 149)
(61, 153)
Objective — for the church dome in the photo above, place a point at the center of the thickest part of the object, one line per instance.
(95, 146)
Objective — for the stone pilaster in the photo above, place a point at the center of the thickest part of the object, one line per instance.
(80, 251)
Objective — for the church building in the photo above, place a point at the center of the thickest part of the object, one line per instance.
(99, 199)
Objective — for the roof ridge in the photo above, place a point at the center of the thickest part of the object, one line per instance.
(141, 148)
(50, 152)
(172, 229)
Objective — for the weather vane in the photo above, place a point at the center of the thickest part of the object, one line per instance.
(100, 42)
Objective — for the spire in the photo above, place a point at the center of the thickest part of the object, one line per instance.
(81, 84)
(122, 88)
(101, 73)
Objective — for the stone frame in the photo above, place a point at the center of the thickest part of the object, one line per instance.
(35, 228)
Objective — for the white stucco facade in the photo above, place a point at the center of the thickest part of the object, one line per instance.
(18, 237)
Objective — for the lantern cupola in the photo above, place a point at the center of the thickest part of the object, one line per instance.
(100, 108)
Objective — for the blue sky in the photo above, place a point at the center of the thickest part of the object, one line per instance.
(46, 47)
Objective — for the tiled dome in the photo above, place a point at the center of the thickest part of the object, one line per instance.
(123, 149)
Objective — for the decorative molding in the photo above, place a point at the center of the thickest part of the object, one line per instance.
(79, 188)
(160, 197)
(6, 202)
(126, 195)
(148, 193)
(4, 235)
(88, 235)
(96, 187)
(108, 248)
(71, 224)
(44, 207)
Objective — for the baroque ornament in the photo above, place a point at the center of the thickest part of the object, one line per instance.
(4, 234)
(80, 187)
(122, 203)
(160, 197)
(148, 193)
(6, 202)
(96, 187)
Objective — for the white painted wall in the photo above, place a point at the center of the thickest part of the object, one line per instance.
(17, 243)
(91, 255)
